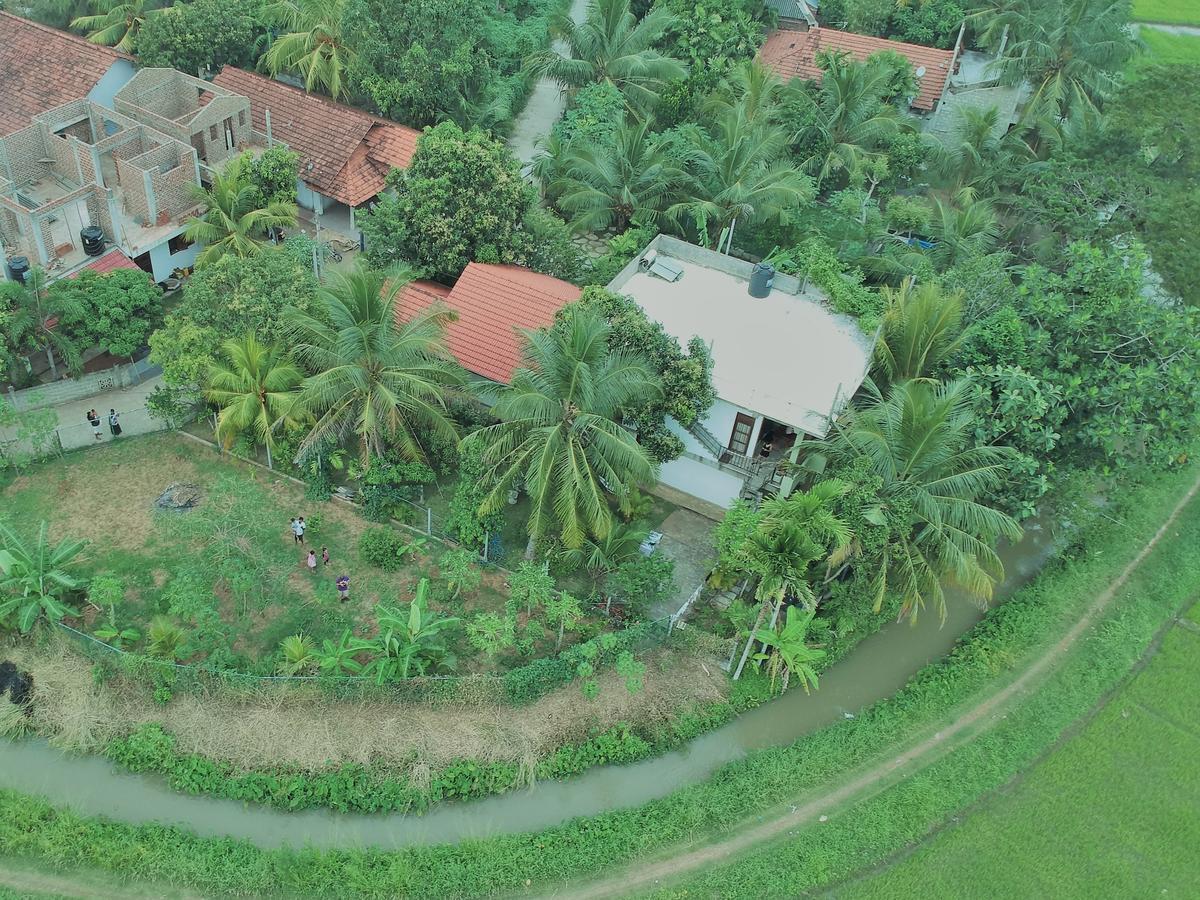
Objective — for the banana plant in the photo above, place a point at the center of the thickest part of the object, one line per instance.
(115, 636)
(338, 659)
(409, 641)
(33, 576)
(788, 652)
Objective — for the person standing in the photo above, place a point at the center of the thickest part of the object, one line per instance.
(303, 528)
(93, 418)
(114, 423)
(297, 531)
(312, 561)
(325, 555)
(343, 588)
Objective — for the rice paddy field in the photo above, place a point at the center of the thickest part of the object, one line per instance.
(1175, 12)
(1110, 813)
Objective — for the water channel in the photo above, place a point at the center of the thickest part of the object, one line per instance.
(878, 667)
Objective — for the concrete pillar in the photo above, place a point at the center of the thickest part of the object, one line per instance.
(151, 200)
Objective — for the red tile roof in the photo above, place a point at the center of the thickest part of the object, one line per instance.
(41, 68)
(492, 302)
(109, 262)
(793, 54)
(350, 151)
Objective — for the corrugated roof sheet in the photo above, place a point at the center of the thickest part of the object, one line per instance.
(793, 54)
(350, 151)
(109, 262)
(492, 302)
(41, 68)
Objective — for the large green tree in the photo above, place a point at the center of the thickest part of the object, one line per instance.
(560, 437)
(418, 60)
(936, 485)
(379, 381)
(237, 218)
(117, 23)
(257, 389)
(34, 575)
(201, 36)
(604, 186)
(235, 295)
(114, 311)
(462, 199)
(307, 37)
(615, 46)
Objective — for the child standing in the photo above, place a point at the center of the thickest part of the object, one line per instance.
(312, 560)
(325, 555)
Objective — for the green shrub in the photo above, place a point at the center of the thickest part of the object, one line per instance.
(384, 548)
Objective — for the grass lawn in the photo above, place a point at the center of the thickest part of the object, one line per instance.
(1162, 47)
(227, 570)
(1176, 12)
(1111, 813)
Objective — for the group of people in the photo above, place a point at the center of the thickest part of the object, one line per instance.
(298, 526)
(114, 423)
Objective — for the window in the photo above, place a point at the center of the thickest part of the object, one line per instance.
(241, 118)
(743, 427)
(178, 244)
(212, 132)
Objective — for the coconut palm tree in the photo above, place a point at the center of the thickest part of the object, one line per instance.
(117, 23)
(790, 653)
(599, 557)
(311, 43)
(922, 326)
(612, 45)
(604, 186)
(560, 434)
(961, 227)
(919, 441)
(35, 319)
(34, 576)
(257, 388)
(738, 172)
(376, 378)
(1071, 51)
(846, 118)
(234, 219)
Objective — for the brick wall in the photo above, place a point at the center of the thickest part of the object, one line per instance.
(86, 167)
(59, 148)
(23, 149)
(97, 208)
(133, 190)
(172, 190)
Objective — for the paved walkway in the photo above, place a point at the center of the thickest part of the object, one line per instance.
(546, 103)
(130, 403)
(1193, 30)
(688, 540)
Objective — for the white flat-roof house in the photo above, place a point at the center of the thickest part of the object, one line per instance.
(784, 364)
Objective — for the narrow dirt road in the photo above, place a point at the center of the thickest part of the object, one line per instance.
(914, 758)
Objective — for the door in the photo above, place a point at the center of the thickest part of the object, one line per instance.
(739, 439)
(229, 141)
(198, 146)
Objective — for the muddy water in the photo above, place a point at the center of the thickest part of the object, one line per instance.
(878, 667)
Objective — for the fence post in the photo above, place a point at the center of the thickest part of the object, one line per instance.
(429, 520)
(487, 539)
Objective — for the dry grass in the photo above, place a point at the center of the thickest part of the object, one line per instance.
(79, 502)
(307, 729)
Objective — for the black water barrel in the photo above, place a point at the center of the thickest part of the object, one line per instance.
(18, 268)
(761, 279)
(93, 240)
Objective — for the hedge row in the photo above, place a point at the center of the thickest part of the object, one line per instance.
(988, 656)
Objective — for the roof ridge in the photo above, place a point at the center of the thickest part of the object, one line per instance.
(58, 32)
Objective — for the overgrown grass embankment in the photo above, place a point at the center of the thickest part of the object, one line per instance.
(1010, 636)
(1165, 48)
(867, 832)
(1110, 813)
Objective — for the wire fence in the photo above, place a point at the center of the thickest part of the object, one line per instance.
(517, 686)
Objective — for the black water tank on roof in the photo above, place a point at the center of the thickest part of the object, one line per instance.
(93, 240)
(18, 268)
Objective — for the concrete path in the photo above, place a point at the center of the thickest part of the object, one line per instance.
(688, 540)
(546, 103)
(130, 403)
(1193, 30)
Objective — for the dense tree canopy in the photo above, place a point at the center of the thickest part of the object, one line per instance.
(202, 36)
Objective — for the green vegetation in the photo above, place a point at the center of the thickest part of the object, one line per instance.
(1163, 48)
(1010, 635)
(1107, 813)
(1176, 12)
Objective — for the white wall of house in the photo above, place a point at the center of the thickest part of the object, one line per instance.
(702, 479)
(110, 82)
(165, 262)
(308, 198)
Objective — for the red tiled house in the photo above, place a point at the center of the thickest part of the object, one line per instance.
(793, 54)
(492, 302)
(345, 153)
(41, 68)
